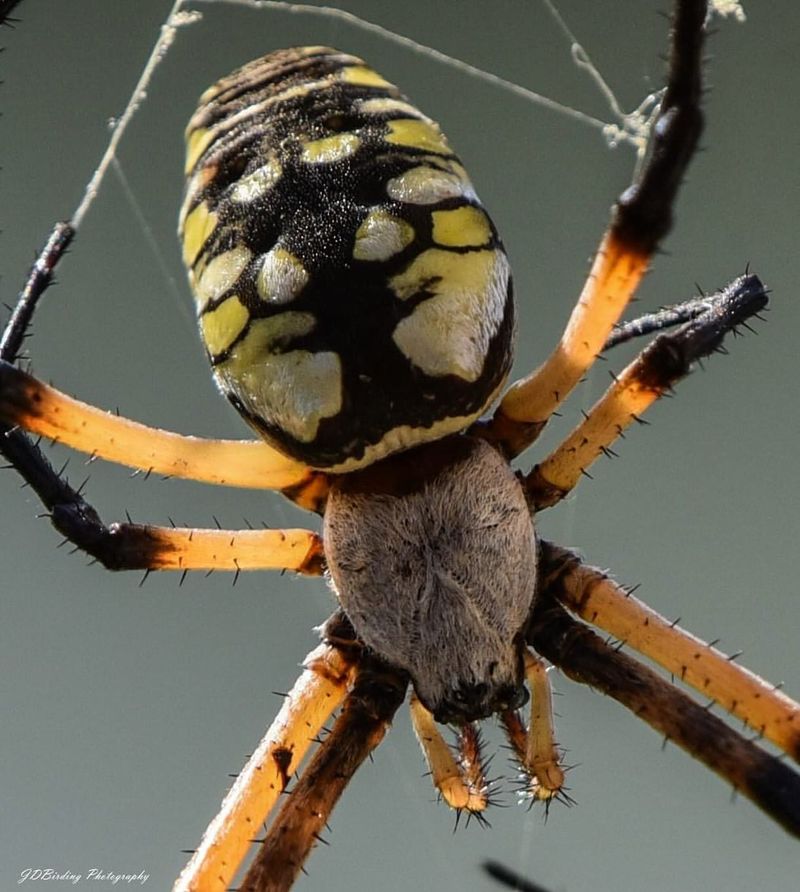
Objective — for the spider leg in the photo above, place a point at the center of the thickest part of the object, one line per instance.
(40, 409)
(129, 546)
(658, 367)
(460, 782)
(589, 593)
(666, 317)
(535, 747)
(39, 280)
(376, 694)
(639, 221)
(36, 407)
(322, 687)
(583, 656)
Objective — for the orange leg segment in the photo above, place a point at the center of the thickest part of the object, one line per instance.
(460, 782)
(182, 548)
(318, 692)
(41, 409)
(661, 365)
(584, 657)
(535, 746)
(640, 220)
(376, 693)
(526, 407)
(589, 593)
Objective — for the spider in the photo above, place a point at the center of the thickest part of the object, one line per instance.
(316, 479)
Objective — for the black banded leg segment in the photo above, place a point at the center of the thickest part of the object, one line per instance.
(666, 360)
(22, 454)
(666, 317)
(584, 657)
(39, 280)
(639, 222)
(128, 546)
(366, 714)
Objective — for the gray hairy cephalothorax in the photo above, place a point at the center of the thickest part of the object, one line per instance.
(433, 557)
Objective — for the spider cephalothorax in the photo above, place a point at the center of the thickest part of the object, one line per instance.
(354, 300)
(453, 588)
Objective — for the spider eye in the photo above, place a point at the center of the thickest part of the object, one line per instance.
(479, 700)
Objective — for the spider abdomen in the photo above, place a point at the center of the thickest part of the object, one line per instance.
(433, 556)
(352, 293)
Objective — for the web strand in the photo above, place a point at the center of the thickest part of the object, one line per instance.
(408, 43)
(165, 40)
(628, 128)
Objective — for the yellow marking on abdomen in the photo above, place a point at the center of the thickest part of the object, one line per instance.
(293, 391)
(221, 274)
(196, 143)
(281, 276)
(380, 105)
(427, 185)
(362, 76)
(417, 135)
(197, 227)
(449, 332)
(405, 436)
(464, 227)
(381, 236)
(264, 338)
(257, 183)
(221, 326)
(330, 148)
(198, 182)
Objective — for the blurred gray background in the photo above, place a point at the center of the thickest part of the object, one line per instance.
(125, 708)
